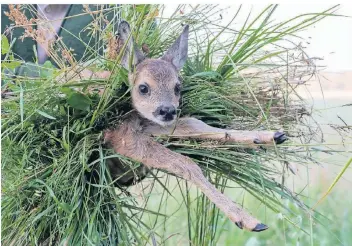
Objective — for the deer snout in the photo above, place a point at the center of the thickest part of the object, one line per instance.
(167, 110)
(166, 113)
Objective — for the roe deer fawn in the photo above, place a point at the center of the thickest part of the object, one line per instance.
(155, 92)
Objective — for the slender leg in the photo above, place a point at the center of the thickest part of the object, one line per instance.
(193, 128)
(142, 148)
(74, 75)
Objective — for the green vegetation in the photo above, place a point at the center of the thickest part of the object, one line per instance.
(51, 130)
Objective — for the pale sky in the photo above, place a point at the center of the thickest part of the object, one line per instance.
(333, 34)
(331, 38)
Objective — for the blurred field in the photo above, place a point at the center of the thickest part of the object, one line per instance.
(328, 94)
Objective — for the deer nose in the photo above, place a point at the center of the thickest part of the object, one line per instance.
(164, 110)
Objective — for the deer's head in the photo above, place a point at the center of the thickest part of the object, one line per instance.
(155, 83)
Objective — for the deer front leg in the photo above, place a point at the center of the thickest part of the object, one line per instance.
(152, 154)
(194, 128)
(76, 75)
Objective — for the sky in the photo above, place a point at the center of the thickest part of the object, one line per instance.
(330, 38)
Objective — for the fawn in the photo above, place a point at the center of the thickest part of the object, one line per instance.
(155, 91)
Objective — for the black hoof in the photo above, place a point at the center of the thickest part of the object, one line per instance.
(260, 227)
(279, 137)
(239, 224)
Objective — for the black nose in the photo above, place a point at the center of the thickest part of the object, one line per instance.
(167, 110)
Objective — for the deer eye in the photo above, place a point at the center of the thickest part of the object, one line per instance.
(177, 89)
(143, 89)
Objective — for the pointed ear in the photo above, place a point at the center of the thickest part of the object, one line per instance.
(177, 53)
(130, 49)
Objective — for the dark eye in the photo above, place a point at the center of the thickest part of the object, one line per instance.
(143, 89)
(177, 89)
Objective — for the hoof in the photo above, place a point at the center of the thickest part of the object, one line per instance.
(279, 137)
(239, 224)
(260, 227)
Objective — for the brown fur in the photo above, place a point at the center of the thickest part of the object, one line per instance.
(133, 138)
(162, 79)
(130, 140)
(194, 128)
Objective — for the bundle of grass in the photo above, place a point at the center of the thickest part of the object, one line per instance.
(56, 185)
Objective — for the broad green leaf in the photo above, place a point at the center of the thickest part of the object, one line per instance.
(79, 101)
(10, 65)
(47, 69)
(5, 46)
(142, 8)
(66, 90)
(48, 64)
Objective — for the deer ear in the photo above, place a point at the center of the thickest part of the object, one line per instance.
(177, 53)
(132, 55)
